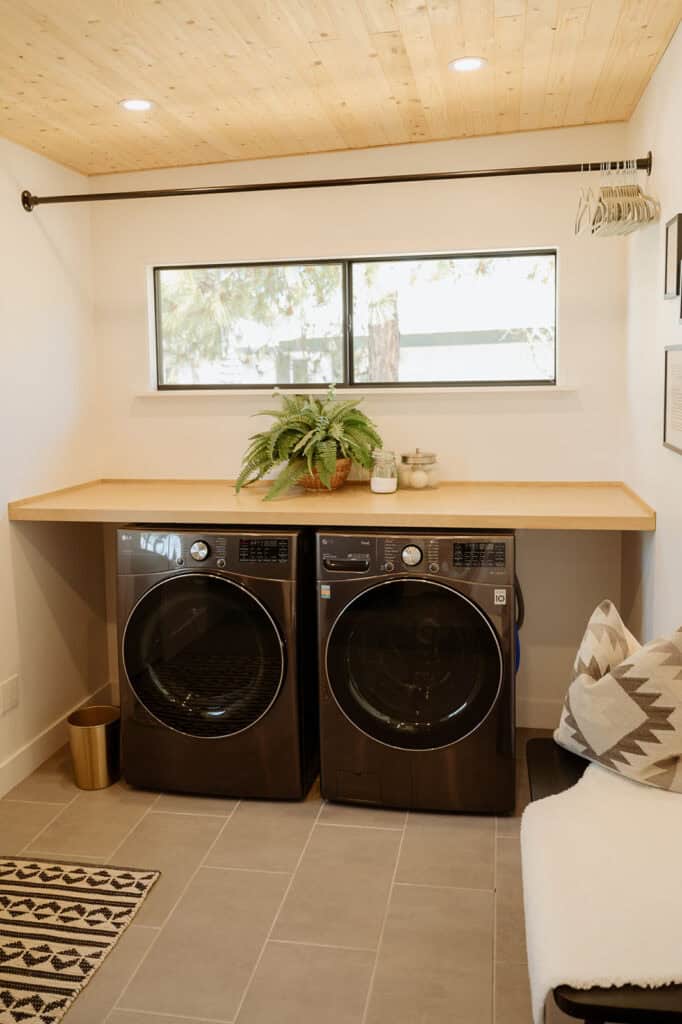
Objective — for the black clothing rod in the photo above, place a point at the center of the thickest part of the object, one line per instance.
(29, 201)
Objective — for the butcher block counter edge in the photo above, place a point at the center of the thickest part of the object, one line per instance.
(577, 505)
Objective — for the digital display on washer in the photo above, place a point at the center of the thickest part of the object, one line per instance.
(263, 549)
(478, 554)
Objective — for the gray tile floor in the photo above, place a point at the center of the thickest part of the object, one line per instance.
(292, 913)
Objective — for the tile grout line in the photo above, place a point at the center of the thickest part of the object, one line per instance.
(57, 858)
(375, 965)
(323, 945)
(45, 827)
(278, 912)
(168, 1016)
(252, 871)
(191, 814)
(457, 888)
(133, 827)
(375, 828)
(117, 1004)
(50, 803)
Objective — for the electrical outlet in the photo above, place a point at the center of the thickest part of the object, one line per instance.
(9, 694)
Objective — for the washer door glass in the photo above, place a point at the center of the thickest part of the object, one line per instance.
(203, 655)
(414, 664)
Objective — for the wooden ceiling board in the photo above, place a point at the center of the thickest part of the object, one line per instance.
(246, 79)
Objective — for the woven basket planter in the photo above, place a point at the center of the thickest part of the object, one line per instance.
(313, 482)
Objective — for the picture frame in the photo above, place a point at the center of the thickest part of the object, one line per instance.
(672, 400)
(673, 256)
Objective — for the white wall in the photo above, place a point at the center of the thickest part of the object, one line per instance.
(67, 415)
(562, 435)
(493, 436)
(654, 566)
(51, 613)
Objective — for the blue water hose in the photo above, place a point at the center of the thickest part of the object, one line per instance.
(519, 620)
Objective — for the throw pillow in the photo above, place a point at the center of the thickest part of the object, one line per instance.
(607, 642)
(630, 720)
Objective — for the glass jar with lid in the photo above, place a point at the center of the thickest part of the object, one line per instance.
(419, 469)
(384, 476)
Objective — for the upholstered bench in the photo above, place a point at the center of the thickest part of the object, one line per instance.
(551, 770)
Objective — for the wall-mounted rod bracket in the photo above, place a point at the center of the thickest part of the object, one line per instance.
(29, 201)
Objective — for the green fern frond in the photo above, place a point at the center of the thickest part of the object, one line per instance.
(327, 461)
(303, 441)
(309, 433)
(343, 409)
(289, 476)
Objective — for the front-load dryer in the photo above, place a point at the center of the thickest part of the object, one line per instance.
(417, 669)
(218, 693)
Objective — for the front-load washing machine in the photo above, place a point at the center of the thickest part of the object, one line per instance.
(218, 693)
(416, 643)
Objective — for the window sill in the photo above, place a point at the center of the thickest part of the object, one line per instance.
(503, 389)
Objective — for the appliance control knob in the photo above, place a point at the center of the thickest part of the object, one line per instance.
(221, 563)
(412, 555)
(389, 566)
(199, 550)
(434, 567)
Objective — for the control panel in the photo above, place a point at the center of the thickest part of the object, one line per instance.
(411, 555)
(474, 554)
(250, 554)
(486, 558)
(263, 549)
(199, 551)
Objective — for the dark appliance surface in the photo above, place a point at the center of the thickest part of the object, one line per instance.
(417, 669)
(218, 685)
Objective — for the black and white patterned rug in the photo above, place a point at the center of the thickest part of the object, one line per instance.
(58, 922)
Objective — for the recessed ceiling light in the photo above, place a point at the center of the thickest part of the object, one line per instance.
(136, 104)
(467, 64)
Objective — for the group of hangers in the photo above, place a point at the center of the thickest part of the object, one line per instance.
(616, 209)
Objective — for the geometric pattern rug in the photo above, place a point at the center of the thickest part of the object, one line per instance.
(58, 922)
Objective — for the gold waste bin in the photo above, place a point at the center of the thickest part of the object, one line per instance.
(94, 740)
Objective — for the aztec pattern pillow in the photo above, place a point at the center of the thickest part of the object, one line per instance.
(607, 642)
(630, 718)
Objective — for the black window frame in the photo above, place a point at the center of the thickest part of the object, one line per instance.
(348, 383)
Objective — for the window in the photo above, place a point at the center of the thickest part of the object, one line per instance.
(246, 326)
(488, 318)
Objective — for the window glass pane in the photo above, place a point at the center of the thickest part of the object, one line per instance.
(465, 319)
(250, 325)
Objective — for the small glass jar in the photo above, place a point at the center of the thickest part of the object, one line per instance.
(419, 469)
(384, 477)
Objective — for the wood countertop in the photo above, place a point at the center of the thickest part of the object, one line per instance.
(465, 505)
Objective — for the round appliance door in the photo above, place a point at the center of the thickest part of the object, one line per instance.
(203, 655)
(414, 664)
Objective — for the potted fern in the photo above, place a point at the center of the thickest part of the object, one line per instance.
(317, 438)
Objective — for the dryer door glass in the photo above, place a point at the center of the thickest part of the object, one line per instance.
(414, 664)
(203, 655)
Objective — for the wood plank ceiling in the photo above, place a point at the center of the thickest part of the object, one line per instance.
(240, 79)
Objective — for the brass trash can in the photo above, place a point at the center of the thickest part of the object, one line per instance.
(94, 739)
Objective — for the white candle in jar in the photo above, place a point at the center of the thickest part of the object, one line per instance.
(419, 479)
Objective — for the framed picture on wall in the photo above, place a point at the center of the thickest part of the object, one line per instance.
(672, 410)
(673, 256)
